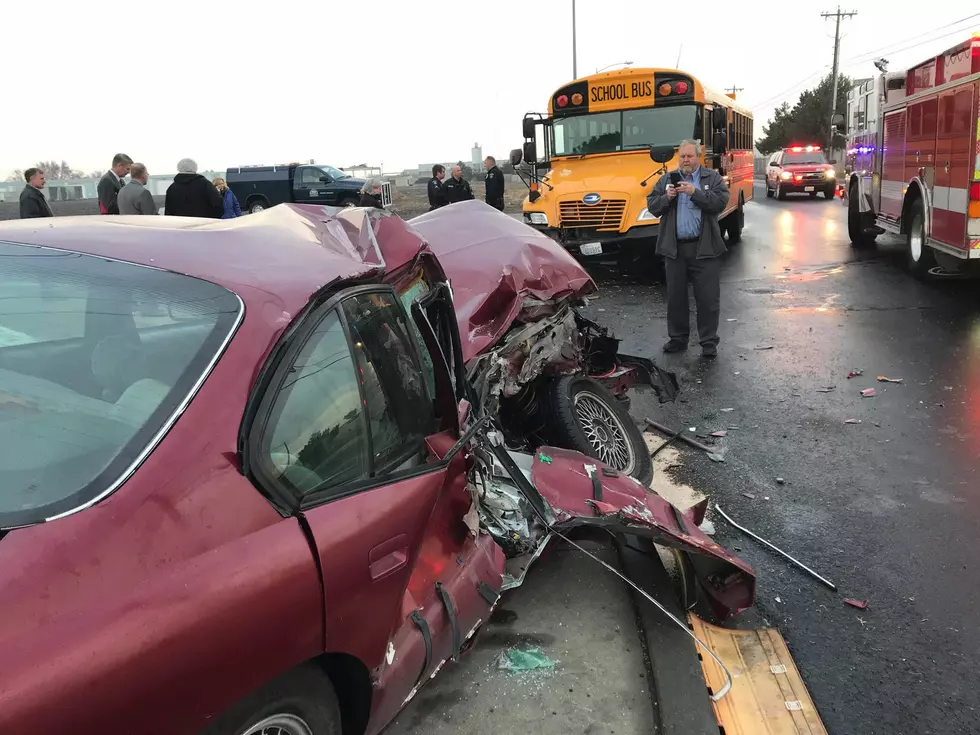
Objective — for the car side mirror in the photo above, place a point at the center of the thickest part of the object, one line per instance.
(837, 119)
(530, 153)
(718, 143)
(775, 165)
(833, 161)
(661, 153)
(719, 118)
(325, 179)
(515, 157)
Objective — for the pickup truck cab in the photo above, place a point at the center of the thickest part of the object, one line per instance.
(261, 187)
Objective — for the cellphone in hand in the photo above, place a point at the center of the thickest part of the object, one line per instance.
(675, 178)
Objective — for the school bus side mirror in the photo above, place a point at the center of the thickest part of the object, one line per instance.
(719, 118)
(662, 153)
(529, 125)
(837, 120)
(530, 154)
(718, 142)
(515, 157)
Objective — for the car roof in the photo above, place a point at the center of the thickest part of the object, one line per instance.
(288, 250)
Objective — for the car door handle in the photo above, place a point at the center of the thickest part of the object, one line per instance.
(388, 557)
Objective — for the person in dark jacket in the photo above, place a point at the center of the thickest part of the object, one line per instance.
(494, 183)
(688, 202)
(371, 194)
(32, 201)
(192, 195)
(112, 182)
(437, 195)
(457, 188)
(229, 201)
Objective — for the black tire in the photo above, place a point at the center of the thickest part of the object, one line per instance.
(769, 192)
(830, 193)
(855, 222)
(920, 259)
(569, 399)
(350, 202)
(734, 223)
(304, 693)
(257, 205)
(780, 194)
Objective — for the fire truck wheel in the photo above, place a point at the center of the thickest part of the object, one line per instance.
(855, 223)
(919, 255)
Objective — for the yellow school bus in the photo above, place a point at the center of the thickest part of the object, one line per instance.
(590, 157)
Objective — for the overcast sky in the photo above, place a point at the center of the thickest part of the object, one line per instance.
(391, 82)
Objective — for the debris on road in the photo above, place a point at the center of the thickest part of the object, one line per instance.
(869, 393)
(780, 481)
(852, 421)
(778, 600)
(775, 548)
(727, 410)
(517, 661)
(883, 379)
(859, 604)
(731, 320)
(765, 347)
(707, 527)
(826, 389)
(750, 496)
(719, 434)
(715, 457)
(855, 374)
(679, 435)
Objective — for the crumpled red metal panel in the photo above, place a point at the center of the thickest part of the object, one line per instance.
(495, 264)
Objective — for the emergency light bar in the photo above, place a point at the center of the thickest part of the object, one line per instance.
(808, 149)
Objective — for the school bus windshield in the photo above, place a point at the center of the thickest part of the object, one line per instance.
(624, 130)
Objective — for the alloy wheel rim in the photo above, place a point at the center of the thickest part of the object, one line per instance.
(605, 433)
(280, 724)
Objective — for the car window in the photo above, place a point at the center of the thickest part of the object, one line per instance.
(316, 436)
(96, 358)
(400, 412)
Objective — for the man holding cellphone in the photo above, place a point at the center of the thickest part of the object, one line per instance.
(688, 202)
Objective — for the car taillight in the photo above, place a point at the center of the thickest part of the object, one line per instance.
(562, 100)
(681, 88)
(664, 89)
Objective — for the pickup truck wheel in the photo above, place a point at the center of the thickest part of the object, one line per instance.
(300, 702)
(257, 206)
(584, 416)
(920, 257)
(349, 203)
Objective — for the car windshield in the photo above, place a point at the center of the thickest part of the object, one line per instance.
(97, 358)
(796, 158)
(608, 132)
(334, 173)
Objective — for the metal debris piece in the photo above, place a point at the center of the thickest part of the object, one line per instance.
(517, 661)
(778, 600)
(719, 434)
(681, 436)
(859, 604)
(869, 393)
(852, 421)
(731, 320)
(780, 481)
(727, 410)
(764, 347)
(826, 389)
(883, 379)
(855, 374)
(750, 496)
(775, 548)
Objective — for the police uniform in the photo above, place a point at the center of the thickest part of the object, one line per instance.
(495, 188)
(437, 195)
(457, 191)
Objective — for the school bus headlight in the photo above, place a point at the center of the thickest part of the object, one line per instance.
(645, 216)
(537, 218)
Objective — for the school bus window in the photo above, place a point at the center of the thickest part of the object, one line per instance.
(658, 126)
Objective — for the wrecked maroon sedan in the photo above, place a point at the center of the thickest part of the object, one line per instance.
(553, 376)
(241, 487)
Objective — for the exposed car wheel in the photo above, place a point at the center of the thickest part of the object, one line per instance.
(855, 222)
(735, 221)
(257, 206)
(300, 702)
(584, 416)
(780, 194)
(919, 255)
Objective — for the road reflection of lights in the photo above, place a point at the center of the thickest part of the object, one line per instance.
(830, 228)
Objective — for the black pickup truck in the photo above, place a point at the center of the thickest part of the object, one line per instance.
(261, 187)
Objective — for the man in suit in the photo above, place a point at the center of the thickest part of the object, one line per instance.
(32, 201)
(135, 198)
(688, 202)
(112, 182)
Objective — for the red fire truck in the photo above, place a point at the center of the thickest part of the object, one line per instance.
(923, 181)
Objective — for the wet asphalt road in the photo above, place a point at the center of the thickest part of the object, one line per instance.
(887, 508)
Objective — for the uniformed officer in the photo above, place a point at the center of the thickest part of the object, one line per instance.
(456, 187)
(495, 184)
(437, 195)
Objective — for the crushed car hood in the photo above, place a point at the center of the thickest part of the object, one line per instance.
(498, 268)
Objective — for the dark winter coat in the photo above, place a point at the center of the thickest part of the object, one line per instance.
(33, 204)
(371, 200)
(437, 194)
(457, 190)
(108, 190)
(711, 198)
(192, 195)
(231, 206)
(495, 187)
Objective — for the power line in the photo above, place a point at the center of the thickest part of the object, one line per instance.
(733, 89)
(790, 89)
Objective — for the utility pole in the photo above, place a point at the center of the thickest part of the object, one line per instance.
(733, 89)
(574, 46)
(833, 99)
